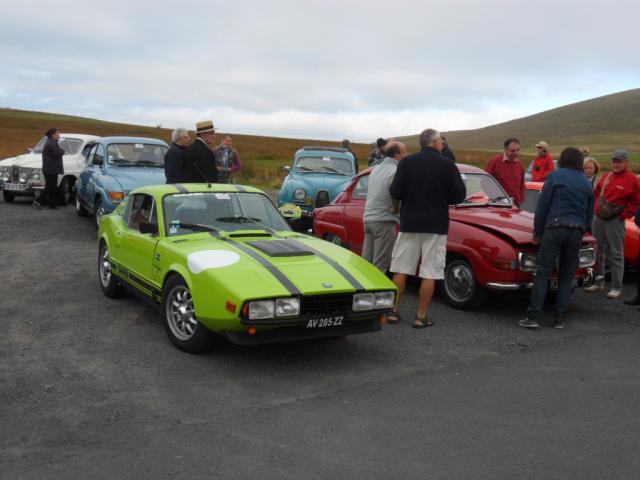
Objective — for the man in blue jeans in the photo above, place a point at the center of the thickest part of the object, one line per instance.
(563, 213)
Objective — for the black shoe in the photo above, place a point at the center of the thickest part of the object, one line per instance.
(633, 301)
(558, 325)
(53, 207)
(527, 323)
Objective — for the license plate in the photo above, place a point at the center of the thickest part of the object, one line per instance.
(14, 186)
(325, 322)
(553, 283)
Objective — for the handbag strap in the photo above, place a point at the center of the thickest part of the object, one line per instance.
(604, 185)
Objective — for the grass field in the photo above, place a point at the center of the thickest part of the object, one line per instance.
(263, 158)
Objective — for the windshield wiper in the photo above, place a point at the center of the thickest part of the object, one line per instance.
(333, 170)
(473, 197)
(499, 197)
(198, 227)
(243, 219)
(151, 163)
(306, 169)
(121, 161)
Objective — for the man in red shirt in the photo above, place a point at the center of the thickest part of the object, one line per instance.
(543, 163)
(508, 170)
(621, 189)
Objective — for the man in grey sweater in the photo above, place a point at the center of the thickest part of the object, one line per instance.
(380, 211)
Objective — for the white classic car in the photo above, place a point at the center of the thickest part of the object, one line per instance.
(21, 176)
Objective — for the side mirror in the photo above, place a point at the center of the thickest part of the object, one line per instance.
(148, 227)
(287, 168)
(30, 150)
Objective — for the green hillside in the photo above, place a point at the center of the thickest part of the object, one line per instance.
(604, 124)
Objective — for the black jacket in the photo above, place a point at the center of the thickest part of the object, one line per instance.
(52, 158)
(427, 183)
(199, 163)
(173, 165)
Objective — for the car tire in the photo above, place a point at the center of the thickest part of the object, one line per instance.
(183, 328)
(8, 196)
(98, 211)
(80, 210)
(110, 286)
(64, 192)
(460, 286)
(333, 238)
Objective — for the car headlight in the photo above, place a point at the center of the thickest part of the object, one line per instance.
(261, 309)
(587, 257)
(287, 307)
(5, 174)
(528, 262)
(362, 301)
(23, 176)
(299, 194)
(384, 299)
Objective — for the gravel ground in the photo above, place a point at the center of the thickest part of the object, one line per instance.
(91, 387)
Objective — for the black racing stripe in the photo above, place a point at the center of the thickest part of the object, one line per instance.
(241, 188)
(134, 280)
(293, 290)
(354, 283)
(181, 188)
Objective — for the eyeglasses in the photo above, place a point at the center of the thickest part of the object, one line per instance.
(512, 150)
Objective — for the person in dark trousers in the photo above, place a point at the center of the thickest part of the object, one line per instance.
(426, 183)
(52, 166)
(563, 213)
(198, 158)
(446, 151)
(173, 165)
(347, 145)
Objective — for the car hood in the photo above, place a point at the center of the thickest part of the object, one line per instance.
(130, 178)
(515, 224)
(29, 160)
(263, 267)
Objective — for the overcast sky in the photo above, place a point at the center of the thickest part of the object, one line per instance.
(315, 69)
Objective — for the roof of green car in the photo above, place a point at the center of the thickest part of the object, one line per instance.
(168, 189)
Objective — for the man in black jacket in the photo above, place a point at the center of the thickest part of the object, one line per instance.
(198, 158)
(173, 165)
(52, 166)
(426, 183)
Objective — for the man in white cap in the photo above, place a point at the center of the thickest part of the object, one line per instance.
(543, 163)
(198, 158)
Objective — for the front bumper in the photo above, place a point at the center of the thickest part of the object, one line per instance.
(21, 189)
(578, 282)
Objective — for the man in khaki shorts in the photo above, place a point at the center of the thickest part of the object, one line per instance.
(426, 183)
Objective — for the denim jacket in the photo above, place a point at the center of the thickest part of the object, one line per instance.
(566, 200)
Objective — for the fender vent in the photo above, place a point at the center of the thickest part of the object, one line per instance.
(281, 248)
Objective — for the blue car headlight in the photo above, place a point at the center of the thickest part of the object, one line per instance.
(299, 194)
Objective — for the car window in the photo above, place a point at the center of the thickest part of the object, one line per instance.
(360, 188)
(90, 155)
(226, 211)
(142, 210)
(140, 154)
(335, 165)
(530, 200)
(85, 152)
(98, 157)
(71, 146)
(40, 145)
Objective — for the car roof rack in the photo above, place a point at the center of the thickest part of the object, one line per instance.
(330, 149)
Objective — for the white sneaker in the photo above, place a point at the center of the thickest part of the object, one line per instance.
(596, 287)
(613, 293)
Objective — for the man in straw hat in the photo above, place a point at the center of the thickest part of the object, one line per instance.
(198, 158)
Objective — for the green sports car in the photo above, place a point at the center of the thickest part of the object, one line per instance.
(220, 259)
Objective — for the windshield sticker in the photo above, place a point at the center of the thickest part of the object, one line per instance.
(222, 196)
(139, 145)
(208, 259)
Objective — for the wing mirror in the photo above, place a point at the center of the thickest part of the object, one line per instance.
(148, 227)
(287, 168)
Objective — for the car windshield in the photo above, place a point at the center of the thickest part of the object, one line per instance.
(70, 145)
(226, 211)
(483, 189)
(338, 166)
(136, 154)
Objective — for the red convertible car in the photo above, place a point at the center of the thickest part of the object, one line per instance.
(489, 243)
(631, 236)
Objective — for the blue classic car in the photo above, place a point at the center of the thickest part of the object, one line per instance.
(114, 167)
(318, 175)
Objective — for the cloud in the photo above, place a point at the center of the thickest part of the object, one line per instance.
(316, 68)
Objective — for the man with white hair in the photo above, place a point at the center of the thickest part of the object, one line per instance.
(173, 166)
(426, 183)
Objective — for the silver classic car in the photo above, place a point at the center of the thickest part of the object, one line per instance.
(21, 176)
